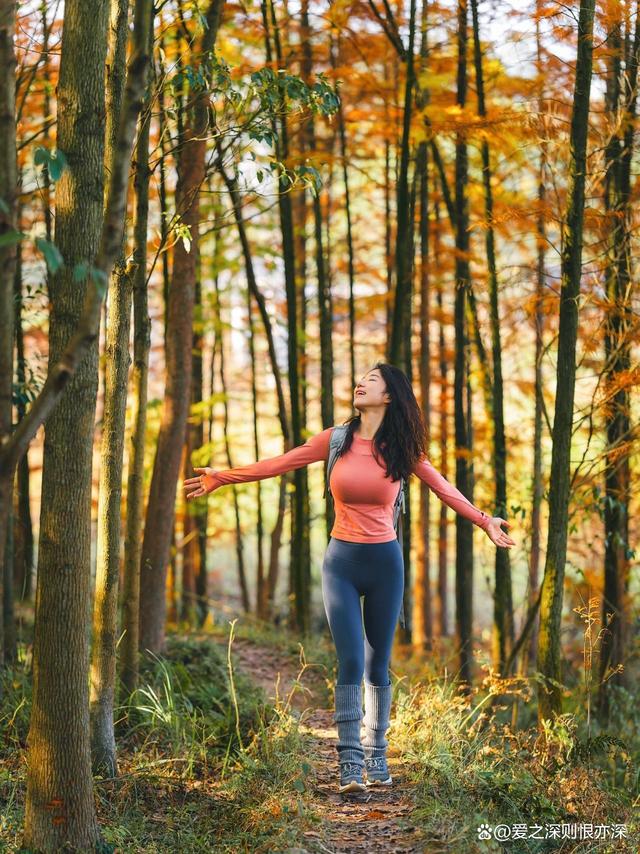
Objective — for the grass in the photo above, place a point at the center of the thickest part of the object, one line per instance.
(470, 767)
(204, 763)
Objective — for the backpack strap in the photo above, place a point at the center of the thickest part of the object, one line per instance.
(337, 440)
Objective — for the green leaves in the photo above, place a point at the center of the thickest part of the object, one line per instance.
(9, 238)
(52, 255)
(98, 277)
(55, 161)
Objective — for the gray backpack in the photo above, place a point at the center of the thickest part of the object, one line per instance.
(338, 436)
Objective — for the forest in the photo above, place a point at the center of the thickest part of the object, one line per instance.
(216, 218)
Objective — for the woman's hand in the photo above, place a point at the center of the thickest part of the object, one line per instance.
(201, 485)
(496, 534)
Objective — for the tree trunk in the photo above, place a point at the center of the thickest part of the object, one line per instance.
(105, 606)
(196, 512)
(615, 605)
(550, 695)
(350, 249)
(140, 371)
(8, 255)
(261, 580)
(399, 345)
(60, 806)
(503, 603)
(537, 485)
(242, 574)
(422, 621)
(300, 594)
(161, 505)
(464, 530)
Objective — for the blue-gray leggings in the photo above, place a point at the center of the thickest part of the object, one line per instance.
(375, 571)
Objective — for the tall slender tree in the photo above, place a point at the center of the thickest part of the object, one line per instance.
(166, 468)
(621, 103)
(422, 627)
(549, 657)
(140, 371)
(105, 606)
(502, 595)
(464, 531)
(8, 256)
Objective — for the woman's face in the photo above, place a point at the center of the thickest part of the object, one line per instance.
(370, 391)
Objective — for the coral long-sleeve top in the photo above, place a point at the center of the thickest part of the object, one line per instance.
(363, 495)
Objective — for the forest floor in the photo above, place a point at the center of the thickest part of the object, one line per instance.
(372, 821)
(229, 746)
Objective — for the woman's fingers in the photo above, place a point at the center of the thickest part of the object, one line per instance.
(196, 494)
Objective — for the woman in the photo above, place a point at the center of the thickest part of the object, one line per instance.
(385, 442)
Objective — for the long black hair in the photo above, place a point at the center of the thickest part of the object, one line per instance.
(401, 438)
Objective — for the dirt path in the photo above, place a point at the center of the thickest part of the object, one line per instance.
(372, 821)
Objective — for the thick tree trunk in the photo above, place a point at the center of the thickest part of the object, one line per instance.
(549, 661)
(60, 809)
(60, 806)
(105, 606)
(162, 496)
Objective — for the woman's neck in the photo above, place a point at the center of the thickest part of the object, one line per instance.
(369, 424)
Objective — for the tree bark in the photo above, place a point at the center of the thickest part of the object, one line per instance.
(443, 536)
(549, 661)
(502, 597)
(60, 805)
(60, 808)
(299, 570)
(615, 604)
(105, 606)
(8, 257)
(242, 573)
(140, 372)
(464, 531)
(162, 496)
(422, 621)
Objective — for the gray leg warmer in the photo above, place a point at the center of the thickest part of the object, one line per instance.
(348, 718)
(377, 704)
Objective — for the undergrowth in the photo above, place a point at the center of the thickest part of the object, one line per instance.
(204, 763)
(469, 769)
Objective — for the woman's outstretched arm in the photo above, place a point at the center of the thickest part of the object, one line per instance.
(448, 493)
(452, 496)
(314, 449)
